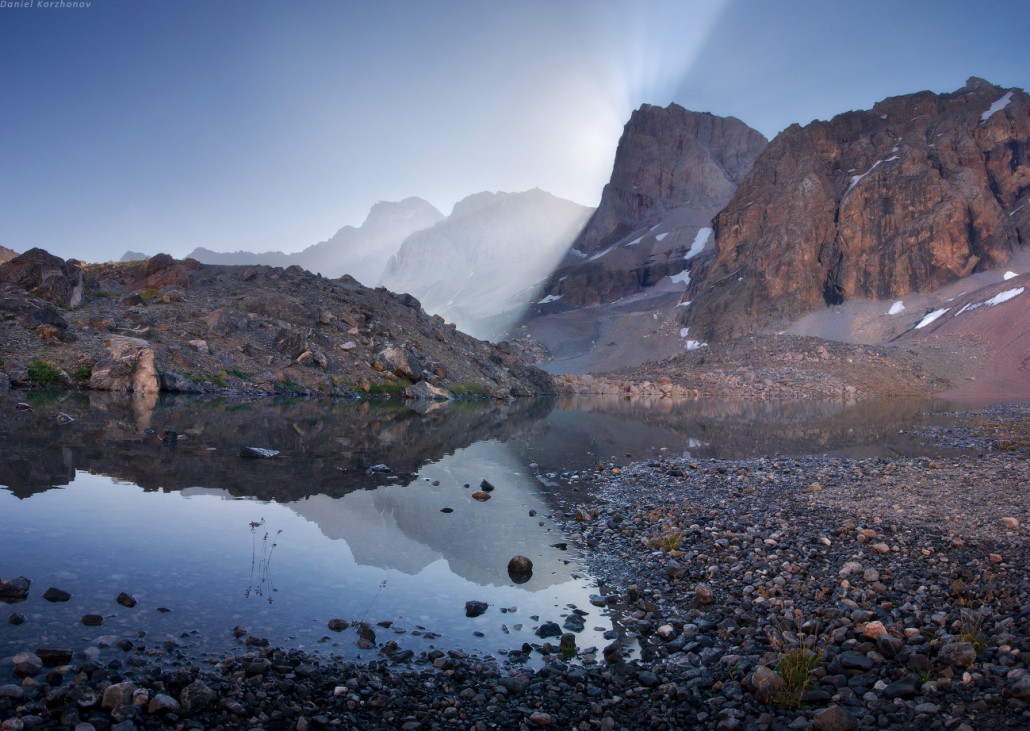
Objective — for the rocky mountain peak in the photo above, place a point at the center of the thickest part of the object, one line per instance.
(385, 213)
(919, 191)
(668, 157)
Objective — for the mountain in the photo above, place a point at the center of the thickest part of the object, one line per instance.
(359, 252)
(918, 192)
(674, 170)
(183, 326)
(7, 254)
(481, 266)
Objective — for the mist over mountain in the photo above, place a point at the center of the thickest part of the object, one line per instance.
(481, 266)
(360, 252)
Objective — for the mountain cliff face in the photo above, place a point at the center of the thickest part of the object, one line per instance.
(612, 301)
(360, 252)
(480, 266)
(919, 191)
(674, 170)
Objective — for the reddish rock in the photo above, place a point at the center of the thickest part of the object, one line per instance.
(919, 191)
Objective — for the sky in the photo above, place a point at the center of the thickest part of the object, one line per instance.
(163, 125)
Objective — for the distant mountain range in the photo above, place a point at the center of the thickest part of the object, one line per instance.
(485, 263)
(360, 252)
(478, 267)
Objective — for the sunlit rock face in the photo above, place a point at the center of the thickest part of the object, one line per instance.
(482, 265)
(359, 252)
(612, 300)
(674, 170)
(919, 191)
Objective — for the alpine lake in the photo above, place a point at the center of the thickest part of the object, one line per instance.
(365, 514)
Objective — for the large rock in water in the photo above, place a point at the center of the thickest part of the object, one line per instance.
(915, 193)
(46, 276)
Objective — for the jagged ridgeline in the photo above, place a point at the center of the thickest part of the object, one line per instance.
(915, 193)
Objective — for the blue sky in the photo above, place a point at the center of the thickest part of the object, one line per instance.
(162, 125)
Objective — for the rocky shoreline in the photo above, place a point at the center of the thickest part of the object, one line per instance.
(897, 586)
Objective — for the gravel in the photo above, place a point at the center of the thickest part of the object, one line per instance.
(901, 582)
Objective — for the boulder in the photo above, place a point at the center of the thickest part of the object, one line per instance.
(117, 694)
(957, 654)
(47, 277)
(765, 683)
(173, 382)
(425, 391)
(520, 569)
(197, 696)
(14, 590)
(399, 362)
(53, 594)
(127, 365)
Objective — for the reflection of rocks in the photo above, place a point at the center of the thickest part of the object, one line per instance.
(402, 528)
(324, 447)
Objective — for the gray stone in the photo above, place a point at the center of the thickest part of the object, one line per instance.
(907, 687)
(834, 718)
(424, 391)
(855, 661)
(765, 683)
(14, 590)
(957, 654)
(53, 594)
(117, 694)
(197, 696)
(26, 664)
(12, 691)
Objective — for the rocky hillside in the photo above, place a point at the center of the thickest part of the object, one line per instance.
(6, 254)
(481, 266)
(181, 326)
(915, 193)
(360, 252)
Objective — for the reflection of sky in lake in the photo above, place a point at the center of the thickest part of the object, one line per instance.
(195, 553)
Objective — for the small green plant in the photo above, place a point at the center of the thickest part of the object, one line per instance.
(468, 389)
(972, 629)
(220, 379)
(795, 666)
(104, 293)
(83, 373)
(151, 294)
(237, 373)
(670, 540)
(44, 373)
(388, 388)
(665, 527)
(799, 655)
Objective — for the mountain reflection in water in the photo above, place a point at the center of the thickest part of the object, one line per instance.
(170, 520)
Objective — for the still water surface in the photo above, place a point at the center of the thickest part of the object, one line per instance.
(101, 505)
